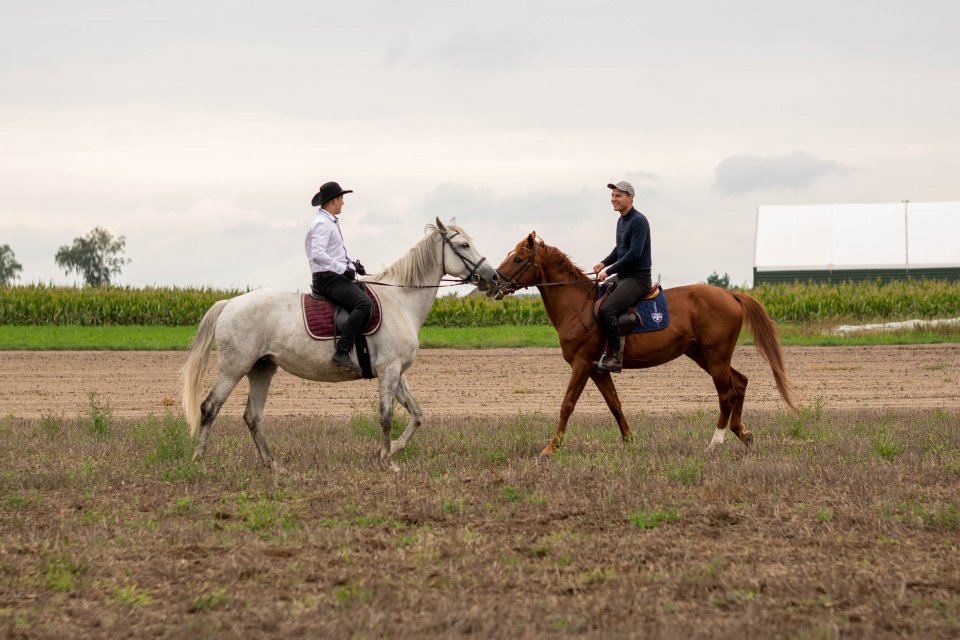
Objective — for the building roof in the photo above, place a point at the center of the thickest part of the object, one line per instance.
(911, 235)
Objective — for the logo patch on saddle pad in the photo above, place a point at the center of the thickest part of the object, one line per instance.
(652, 314)
(320, 316)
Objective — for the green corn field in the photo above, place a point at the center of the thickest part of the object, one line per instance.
(38, 304)
(861, 301)
(91, 306)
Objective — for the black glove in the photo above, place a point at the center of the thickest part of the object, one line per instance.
(350, 274)
(359, 268)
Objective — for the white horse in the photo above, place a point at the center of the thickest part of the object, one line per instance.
(262, 330)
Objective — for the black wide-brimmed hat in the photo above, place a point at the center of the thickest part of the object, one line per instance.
(328, 191)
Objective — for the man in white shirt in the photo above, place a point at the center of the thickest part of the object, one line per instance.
(334, 273)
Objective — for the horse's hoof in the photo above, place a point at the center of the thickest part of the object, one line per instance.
(388, 465)
(747, 439)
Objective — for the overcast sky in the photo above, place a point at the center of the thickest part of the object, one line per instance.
(200, 130)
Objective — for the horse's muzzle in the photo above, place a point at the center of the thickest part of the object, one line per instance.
(504, 289)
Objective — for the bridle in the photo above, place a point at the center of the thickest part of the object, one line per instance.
(511, 285)
(473, 277)
(507, 285)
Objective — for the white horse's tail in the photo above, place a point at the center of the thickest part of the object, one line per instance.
(196, 365)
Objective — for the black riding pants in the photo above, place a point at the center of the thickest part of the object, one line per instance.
(627, 293)
(345, 293)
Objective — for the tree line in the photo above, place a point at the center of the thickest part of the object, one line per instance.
(96, 257)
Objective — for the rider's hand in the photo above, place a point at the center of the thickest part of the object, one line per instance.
(597, 268)
(601, 276)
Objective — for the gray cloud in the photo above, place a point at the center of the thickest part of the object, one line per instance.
(531, 107)
(537, 207)
(743, 173)
(472, 49)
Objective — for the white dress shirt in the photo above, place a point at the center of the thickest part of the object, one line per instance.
(324, 244)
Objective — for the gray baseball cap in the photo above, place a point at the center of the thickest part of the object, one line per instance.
(624, 186)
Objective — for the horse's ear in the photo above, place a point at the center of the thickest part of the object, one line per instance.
(441, 226)
(531, 239)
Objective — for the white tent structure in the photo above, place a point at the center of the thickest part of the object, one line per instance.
(837, 242)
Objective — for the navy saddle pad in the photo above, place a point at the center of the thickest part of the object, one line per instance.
(652, 315)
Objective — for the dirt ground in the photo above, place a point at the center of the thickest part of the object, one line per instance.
(841, 523)
(496, 382)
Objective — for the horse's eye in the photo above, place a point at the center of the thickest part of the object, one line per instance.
(517, 259)
(465, 245)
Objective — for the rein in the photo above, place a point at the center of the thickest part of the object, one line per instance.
(531, 261)
(509, 285)
(449, 283)
(472, 278)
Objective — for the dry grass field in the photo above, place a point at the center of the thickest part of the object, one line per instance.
(842, 522)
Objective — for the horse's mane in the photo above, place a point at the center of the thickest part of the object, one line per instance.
(561, 262)
(420, 263)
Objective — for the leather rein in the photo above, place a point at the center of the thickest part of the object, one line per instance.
(508, 285)
(472, 278)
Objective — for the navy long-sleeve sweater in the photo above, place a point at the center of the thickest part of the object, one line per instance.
(631, 256)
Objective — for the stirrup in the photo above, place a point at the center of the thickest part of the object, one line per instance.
(612, 368)
(342, 360)
(617, 355)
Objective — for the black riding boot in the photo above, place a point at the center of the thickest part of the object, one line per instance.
(612, 358)
(612, 362)
(342, 359)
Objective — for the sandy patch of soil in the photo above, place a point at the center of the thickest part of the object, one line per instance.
(490, 382)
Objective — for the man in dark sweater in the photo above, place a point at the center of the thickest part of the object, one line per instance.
(630, 261)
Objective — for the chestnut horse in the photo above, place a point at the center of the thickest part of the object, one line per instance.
(705, 322)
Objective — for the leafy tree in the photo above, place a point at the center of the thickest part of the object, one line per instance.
(718, 281)
(9, 267)
(96, 257)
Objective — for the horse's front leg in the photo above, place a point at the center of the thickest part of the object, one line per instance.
(578, 380)
(389, 380)
(608, 390)
(409, 403)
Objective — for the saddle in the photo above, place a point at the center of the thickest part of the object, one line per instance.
(325, 321)
(649, 314)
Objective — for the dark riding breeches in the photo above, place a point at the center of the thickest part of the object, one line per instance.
(627, 293)
(347, 294)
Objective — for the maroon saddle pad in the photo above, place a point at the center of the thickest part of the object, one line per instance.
(320, 316)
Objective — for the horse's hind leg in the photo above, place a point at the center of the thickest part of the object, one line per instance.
(405, 397)
(736, 416)
(259, 376)
(720, 371)
(608, 390)
(210, 408)
(389, 383)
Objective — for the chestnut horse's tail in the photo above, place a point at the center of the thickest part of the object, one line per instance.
(196, 365)
(758, 321)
